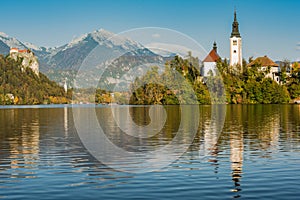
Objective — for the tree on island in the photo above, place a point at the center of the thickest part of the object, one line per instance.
(247, 87)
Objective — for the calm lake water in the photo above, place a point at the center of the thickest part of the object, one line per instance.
(256, 155)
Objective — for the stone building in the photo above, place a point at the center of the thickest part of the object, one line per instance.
(271, 69)
(29, 59)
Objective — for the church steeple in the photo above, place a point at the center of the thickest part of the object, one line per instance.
(235, 15)
(236, 45)
(235, 27)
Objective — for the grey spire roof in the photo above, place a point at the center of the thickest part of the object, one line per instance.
(235, 27)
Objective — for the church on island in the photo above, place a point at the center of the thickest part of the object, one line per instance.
(209, 64)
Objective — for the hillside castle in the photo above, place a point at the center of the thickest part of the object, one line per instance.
(28, 59)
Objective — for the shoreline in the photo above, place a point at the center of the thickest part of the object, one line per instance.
(123, 105)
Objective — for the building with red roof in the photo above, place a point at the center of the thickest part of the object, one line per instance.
(210, 62)
(271, 69)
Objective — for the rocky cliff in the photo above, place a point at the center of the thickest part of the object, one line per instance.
(29, 60)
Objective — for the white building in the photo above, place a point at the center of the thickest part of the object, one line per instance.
(14, 50)
(65, 86)
(235, 44)
(266, 64)
(210, 62)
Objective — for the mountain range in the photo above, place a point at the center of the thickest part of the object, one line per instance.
(63, 62)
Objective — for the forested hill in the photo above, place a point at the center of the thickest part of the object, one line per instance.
(19, 85)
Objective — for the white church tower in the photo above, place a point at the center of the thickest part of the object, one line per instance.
(65, 86)
(235, 44)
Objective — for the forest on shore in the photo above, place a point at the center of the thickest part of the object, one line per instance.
(179, 83)
(19, 85)
(247, 86)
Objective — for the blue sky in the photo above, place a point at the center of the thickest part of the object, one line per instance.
(268, 27)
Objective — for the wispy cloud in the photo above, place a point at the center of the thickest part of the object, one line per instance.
(298, 46)
(166, 49)
(156, 35)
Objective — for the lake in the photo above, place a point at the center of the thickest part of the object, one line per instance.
(212, 152)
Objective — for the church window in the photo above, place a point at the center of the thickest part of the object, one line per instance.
(234, 42)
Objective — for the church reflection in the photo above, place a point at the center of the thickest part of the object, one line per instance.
(211, 128)
(249, 131)
(66, 121)
(208, 149)
(236, 158)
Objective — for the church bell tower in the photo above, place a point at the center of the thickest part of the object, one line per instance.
(235, 44)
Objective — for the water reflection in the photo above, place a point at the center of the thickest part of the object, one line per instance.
(42, 144)
(66, 121)
(158, 137)
(236, 158)
(158, 147)
(258, 132)
(208, 136)
(20, 150)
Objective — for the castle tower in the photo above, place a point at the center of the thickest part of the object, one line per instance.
(235, 44)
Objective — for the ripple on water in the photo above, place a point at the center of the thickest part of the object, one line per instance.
(256, 157)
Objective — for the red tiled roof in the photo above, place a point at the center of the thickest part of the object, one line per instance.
(24, 51)
(212, 56)
(263, 61)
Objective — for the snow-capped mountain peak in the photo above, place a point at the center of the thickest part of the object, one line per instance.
(104, 37)
(10, 41)
(111, 39)
(32, 46)
(76, 41)
(3, 34)
(103, 33)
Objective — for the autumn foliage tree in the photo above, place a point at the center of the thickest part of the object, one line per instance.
(19, 86)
